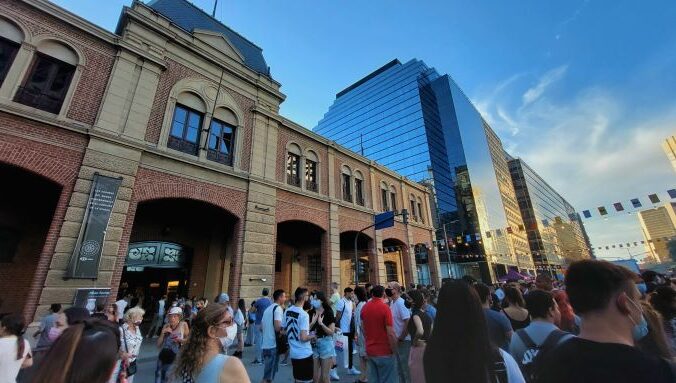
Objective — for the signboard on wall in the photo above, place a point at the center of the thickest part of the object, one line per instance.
(90, 297)
(84, 262)
(156, 254)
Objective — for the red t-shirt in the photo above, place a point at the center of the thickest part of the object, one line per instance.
(375, 316)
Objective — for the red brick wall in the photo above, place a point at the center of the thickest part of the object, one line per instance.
(287, 135)
(98, 55)
(300, 208)
(59, 163)
(173, 74)
(151, 184)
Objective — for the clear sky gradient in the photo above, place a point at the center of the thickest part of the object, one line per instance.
(583, 90)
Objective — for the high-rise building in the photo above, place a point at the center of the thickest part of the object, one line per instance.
(669, 146)
(419, 123)
(659, 229)
(555, 232)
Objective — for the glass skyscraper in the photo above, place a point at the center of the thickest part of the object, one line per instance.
(555, 232)
(419, 123)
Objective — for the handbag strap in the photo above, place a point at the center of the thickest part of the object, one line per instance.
(124, 337)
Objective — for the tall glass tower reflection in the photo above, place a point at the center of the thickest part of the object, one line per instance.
(419, 123)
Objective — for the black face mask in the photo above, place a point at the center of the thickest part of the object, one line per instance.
(389, 292)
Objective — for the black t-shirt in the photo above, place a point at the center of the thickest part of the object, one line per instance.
(584, 361)
(328, 319)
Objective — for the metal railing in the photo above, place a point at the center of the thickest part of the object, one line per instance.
(293, 180)
(311, 186)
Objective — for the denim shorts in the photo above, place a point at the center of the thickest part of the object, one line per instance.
(271, 363)
(325, 348)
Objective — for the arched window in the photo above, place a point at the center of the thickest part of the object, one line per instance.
(48, 80)
(222, 136)
(421, 213)
(311, 179)
(359, 188)
(11, 38)
(384, 197)
(346, 182)
(293, 165)
(412, 206)
(186, 126)
(393, 198)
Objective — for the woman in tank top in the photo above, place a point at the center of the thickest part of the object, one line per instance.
(200, 359)
(516, 308)
(419, 328)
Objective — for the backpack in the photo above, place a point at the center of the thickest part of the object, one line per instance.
(352, 328)
(534, 355)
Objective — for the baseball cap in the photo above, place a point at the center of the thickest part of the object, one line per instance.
(223, 298)
(175, 311)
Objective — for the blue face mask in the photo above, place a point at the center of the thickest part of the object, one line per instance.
(640, 329)
(316, 303)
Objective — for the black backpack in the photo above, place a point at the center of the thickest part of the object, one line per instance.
(534, 355)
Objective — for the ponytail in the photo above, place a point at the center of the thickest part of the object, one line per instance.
(20, 347)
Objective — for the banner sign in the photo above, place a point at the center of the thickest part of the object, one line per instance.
(384, 220)
(156, 254)
(84, 263)
(90, 297)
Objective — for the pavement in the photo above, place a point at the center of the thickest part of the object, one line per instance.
(148, 358)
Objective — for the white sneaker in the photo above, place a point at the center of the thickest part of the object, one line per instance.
(354, 371)
(334, 374)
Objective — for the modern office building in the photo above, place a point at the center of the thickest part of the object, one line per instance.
(669, 146)
(419, 123)
(555, 232)
(659, 228)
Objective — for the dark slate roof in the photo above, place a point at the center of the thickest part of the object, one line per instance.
(189, 17)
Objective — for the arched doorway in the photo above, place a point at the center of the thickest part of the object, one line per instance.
(27, 204)
(394, 254)
(178, 247)
(298, 256)
(364, 255)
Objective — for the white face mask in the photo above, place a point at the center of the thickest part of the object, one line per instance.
(229, 339)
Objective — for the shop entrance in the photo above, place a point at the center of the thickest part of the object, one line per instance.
(178, 247)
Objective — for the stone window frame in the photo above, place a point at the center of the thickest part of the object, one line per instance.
(421, 210)
(358, 175)
(214, 100)
(345, 170)
(384, 198)
(295, 149)
(23, 63)
(310, 154)
(393, 198)
(412, 203)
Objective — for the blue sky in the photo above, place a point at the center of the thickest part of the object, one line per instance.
(584, 91)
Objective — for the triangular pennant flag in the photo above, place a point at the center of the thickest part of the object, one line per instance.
(654, 198)
(618, 206)
(586, 213)
(636, 203)
(602, 210)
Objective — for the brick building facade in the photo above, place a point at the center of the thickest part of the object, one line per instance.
(188, 117)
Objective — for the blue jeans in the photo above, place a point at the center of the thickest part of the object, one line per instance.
(382, 369)
(162, 372)
(271, 363)
(258, 339)
(403, 350)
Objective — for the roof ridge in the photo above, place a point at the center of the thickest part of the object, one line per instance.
(218, 21)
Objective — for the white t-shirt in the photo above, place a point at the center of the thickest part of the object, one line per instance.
(239, 318)
(121, 305)
(268, 327)
(9, 366)
(347, 305)
(399, 315)
(514, 375)
(295, 321)
(160, 309)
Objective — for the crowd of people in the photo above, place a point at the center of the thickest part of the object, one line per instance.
(603, 324)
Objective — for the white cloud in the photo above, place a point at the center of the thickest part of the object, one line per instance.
(593, 148)
(534, 93)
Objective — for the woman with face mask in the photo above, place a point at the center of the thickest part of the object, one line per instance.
(173, 336)
(322, 325)
(130, 345)
(200, 359)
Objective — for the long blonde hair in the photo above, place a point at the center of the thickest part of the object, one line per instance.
(190, 359)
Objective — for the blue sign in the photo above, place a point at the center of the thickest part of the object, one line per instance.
(384, 220)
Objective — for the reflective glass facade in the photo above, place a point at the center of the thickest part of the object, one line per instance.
(556, 235)
(420, 124)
